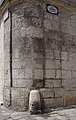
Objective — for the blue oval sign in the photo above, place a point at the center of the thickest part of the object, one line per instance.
(52, 9)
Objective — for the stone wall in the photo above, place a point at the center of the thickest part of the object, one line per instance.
(1, 60)
(43, 56)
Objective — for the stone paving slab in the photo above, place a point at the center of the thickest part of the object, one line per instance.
(64, 114)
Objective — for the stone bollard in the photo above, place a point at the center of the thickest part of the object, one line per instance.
(34, 102)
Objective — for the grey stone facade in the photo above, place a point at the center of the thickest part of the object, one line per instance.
(43, 55)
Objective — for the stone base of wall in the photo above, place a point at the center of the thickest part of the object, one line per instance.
(16, 98)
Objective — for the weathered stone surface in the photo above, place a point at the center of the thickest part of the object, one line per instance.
(47, 93)
(53, 25)
(64, 55)
(57, 83)
(57, 54)
(72, 57)
(49, 83)
(49, 54)
(39, 63)
(34, 11)
(34, 32)
(36, 22)
(50, 64)
(37, 43)
(47, 24)
(57, 64)
(66, 65)
(49, 73)
(7, 73)
(18, 73)
(22, 83)
(59, 92)
(58, 74)
(17, 11)
(47, 15)
(43, 55)
(38, 74)
(28, 73)
(53, 102)
(50, 43)
(66, 74)
(69, 83)
(38, 83)
(7, 93)
(7, 82)
(20, 98)
(38, 53)
(16, 23)
(22, 63)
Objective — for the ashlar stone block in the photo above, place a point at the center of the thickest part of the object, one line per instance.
(57, 83)
(66, 65)
(66, 74)
(49, 43)
(20, 99)
(72, 57)
(18, 73)
(38, 74)
(39, 63)
(57, 64)
(28, 73)
(47, 93)
(49, 83)
(49, 54)
(59, 92)
(22, 83)
(58, 74)
(50, 64)
(64, 56)
(21, 63)
(49, 73)
(53, 102)
(69, 83)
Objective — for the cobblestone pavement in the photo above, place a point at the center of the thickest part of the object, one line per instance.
(64, 114)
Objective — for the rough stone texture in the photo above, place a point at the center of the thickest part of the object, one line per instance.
(7, 53)
(47, 93)
(53, 102)
(7, 93)
(19, 97)
(1, 59)
(43, 55)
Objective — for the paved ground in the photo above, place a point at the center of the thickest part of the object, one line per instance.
(65, 114)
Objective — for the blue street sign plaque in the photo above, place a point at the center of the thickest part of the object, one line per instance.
(52, 9)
